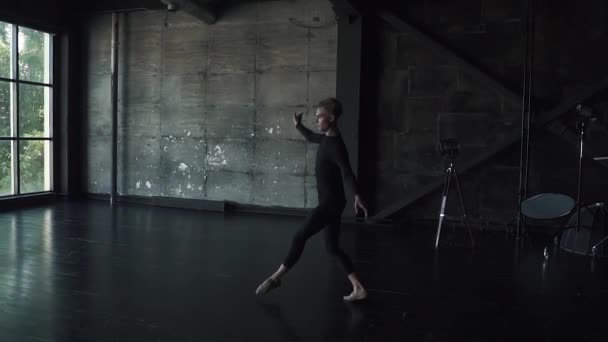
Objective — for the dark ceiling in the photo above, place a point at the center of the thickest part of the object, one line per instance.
(211, 5)
(54, 14)
(206, 10)
(57, 14)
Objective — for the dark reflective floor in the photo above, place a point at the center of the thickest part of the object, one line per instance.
(85, 272)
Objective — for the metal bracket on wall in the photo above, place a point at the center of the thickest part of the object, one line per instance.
(318, 26)
(193, 8)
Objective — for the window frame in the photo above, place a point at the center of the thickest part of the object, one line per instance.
(15, 81)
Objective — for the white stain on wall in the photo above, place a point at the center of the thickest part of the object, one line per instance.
(217, 157)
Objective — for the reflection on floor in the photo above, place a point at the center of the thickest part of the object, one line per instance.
(87, 272)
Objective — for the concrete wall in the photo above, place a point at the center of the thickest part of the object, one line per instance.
(205, 110)
(491, 33)
(424, 97)
(422, 92)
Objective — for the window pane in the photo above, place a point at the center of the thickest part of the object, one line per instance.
(34, 166)
(33, 110)
(6, 180)
(5, 50)
(33, 55)
(5, 109)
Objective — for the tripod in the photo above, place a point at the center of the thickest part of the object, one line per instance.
(449, 173)
(593, 234)
(573, 239)
(604, 213)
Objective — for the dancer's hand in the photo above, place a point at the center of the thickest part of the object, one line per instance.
(359, 203)
(297, 118)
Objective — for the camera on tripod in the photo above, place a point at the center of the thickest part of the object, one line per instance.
(584, 112)
(449, 148)
(584, 115)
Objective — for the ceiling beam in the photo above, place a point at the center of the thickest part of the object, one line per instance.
(344, 8)
(195, 9)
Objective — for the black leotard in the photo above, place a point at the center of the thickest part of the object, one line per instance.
(332, 168)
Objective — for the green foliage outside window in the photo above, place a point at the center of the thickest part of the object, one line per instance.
(31, 110)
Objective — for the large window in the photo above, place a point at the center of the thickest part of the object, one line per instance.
(26, 92)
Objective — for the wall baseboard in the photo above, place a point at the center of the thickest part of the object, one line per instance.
(169, 202)
(16, 202)
(227, 207)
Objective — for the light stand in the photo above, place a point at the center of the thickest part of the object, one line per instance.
(581, 131)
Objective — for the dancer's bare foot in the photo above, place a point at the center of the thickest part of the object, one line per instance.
(357, 294)
(267, 285)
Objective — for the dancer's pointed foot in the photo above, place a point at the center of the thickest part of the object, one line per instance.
(267, 285)
(357, 294)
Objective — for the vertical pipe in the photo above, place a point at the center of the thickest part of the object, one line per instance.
(523, 148)
(114, 100)
(530, 94)
(15, 110)
(580, 176)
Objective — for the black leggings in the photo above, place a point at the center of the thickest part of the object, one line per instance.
(319, 218)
